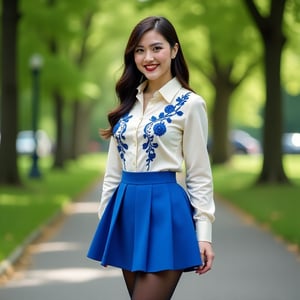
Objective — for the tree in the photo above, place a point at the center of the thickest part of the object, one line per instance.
(224, 61)
(9, 173)
(81, 109)
(58, 101)
(270, 28)
(225, 86)
(56, 30)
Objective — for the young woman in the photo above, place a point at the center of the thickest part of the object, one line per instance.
(151, 227)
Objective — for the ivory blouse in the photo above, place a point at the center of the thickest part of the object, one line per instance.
(169, 135)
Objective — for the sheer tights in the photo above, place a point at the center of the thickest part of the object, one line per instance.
(151, 286)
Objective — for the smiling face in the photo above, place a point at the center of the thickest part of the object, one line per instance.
(153, 56)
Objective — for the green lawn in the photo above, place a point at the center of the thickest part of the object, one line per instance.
(24, 209)
(276, 207)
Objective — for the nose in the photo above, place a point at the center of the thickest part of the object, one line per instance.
(148, 56)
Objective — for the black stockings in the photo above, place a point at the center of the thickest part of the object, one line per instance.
(151, 286)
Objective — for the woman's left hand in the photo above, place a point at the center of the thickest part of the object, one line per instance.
(207, 256)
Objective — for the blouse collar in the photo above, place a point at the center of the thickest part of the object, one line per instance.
(168, 91)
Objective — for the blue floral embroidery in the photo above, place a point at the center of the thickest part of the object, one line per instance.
(157, 126)
(118, 132)
(160, 129)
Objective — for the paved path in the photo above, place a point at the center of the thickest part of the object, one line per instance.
(249, 264)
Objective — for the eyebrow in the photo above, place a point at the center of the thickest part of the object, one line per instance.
(151, 45)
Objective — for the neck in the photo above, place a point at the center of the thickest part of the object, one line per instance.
(150, 89)
(153, 86)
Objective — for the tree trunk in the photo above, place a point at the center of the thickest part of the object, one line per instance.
(270, 28)
(221, 148)
(80, 128)
(272, 169)
(74, 151)
(224, 87)
(81, 109)
(58, 107)
(84, 130)
(9, 173)
(59, 147)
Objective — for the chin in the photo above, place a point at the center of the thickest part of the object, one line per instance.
(152, 77)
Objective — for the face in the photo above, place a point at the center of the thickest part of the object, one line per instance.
(153, 56)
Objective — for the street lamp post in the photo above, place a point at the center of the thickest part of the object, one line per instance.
(35, 64)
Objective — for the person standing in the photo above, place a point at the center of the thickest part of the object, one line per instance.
(150, 226)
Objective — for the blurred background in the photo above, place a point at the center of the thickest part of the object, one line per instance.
(66, 57)
(60, 61)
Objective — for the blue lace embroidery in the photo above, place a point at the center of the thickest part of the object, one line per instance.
(119, 133)
(157, 126)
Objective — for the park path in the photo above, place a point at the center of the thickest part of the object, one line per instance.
(249, 265)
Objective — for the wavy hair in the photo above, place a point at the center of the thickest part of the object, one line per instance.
(132, 77)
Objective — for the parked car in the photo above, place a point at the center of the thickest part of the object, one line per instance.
(244, 143)
(291, 143)
(241, 142)
(25, 143)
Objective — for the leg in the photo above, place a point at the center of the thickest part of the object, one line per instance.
(129, 278)
(155, 286)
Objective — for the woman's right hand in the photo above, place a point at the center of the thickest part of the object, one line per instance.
(207, 256)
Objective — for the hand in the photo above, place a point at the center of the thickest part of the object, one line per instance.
(207, 256)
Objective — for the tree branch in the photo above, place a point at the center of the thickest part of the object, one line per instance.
(202, 69)
(257, 17)
(83, 50)
(246, 73)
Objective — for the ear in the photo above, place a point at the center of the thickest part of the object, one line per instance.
(174, 51)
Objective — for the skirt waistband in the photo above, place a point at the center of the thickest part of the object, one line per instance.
(148, 177)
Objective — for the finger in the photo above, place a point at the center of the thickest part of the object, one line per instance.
(207, 264)
(203, 269)
(203, 259)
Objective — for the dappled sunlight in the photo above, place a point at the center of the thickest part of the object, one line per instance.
(64, 275)
(26, 200)
(7, 199)
(55, 247)
(82, 208)
(251, 164)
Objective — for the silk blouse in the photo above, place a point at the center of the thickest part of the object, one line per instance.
(169, 134)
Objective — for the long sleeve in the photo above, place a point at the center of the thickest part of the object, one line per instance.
(112, 176)
(198, 171)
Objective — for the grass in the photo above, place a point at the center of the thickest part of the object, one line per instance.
(276, 207)
(24, 209)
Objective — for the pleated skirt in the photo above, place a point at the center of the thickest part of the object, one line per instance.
(147, 226)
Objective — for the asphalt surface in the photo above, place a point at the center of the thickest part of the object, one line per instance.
(250, 264)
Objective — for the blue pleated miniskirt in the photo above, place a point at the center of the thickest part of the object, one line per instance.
(147, 226)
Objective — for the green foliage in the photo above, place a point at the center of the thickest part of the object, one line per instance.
(23, 210)
(58, 32)
(203, 26)
(58, 27)
(209, 28)
(291, 53)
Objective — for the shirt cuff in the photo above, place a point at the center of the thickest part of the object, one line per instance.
(204, 231)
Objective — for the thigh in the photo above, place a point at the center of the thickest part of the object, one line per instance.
(129, 278)
(155, 286)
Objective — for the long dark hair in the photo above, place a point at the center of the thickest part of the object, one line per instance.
(131, 77)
